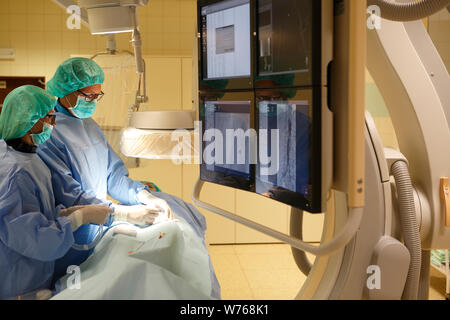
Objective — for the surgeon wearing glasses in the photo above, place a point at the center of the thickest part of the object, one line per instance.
(84, 167)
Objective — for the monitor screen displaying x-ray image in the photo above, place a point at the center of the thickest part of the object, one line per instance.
(284, 36)
(226, 142)
(282, 172)
(226, 45)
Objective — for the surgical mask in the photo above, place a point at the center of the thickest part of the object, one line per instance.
(39, 138)
(83, 109)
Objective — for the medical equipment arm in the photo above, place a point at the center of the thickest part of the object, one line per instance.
(341, 239)
(408, 11)
(296, 231)
(28, 231)
(410, 227)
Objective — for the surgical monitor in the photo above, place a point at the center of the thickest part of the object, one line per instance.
(226, 44)
(263, 93)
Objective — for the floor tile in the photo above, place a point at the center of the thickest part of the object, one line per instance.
(232, 279)
(437, 285)
(221, 249)
(267, 261)
(275, 278)
(261, 248)
(224, 262)
(241, 293)
(269, 272)
(275, 294)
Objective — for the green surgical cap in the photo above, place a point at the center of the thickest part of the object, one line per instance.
(22, 108)
(74, 74)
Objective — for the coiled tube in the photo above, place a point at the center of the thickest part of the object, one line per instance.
(411, 11)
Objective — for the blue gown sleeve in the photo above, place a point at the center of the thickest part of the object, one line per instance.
(67, 190)
(120, 186)
(25, 229)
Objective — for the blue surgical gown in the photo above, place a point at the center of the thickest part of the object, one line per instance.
(32, 235)
(84, 170)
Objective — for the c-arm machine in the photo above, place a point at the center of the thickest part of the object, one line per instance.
(380, 249)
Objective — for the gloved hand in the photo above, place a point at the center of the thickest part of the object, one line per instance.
(165, 213)
(137, 214)
(81, 215)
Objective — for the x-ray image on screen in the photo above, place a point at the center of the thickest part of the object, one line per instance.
(227, 148)
(226, 39)
(284, 36)
(288, 152)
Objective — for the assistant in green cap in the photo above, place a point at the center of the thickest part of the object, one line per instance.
(74, 74)
(22, 108)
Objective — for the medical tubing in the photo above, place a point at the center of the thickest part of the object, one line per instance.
(424, 282)
(411, 11)
(346, 234)
(296, 231)
(410, 228)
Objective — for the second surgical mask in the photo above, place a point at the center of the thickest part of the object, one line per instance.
(39, 138)
(83, 108)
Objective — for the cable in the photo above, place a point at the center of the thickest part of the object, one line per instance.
(408, 11)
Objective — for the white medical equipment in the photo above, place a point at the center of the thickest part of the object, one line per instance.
(361, 255)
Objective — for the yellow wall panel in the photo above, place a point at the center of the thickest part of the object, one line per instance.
(5, 40)
(220, 229)
(35, 6)
(190, 175)
(164, 173)
(17, 6)
(186, 83)
(164, 83)
(262, 210)
(4, 22)
(35, 22)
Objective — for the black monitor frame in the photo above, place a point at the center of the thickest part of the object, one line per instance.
(312, 202)
(313, 77)
(315, 80)
(245, 82)
(219, 177)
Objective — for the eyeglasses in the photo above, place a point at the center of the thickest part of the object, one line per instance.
(93, 96)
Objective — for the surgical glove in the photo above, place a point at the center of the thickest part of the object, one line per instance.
(165, 213)
(81, 215)
(137, 214)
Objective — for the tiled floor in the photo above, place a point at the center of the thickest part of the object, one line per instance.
(269, 272)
